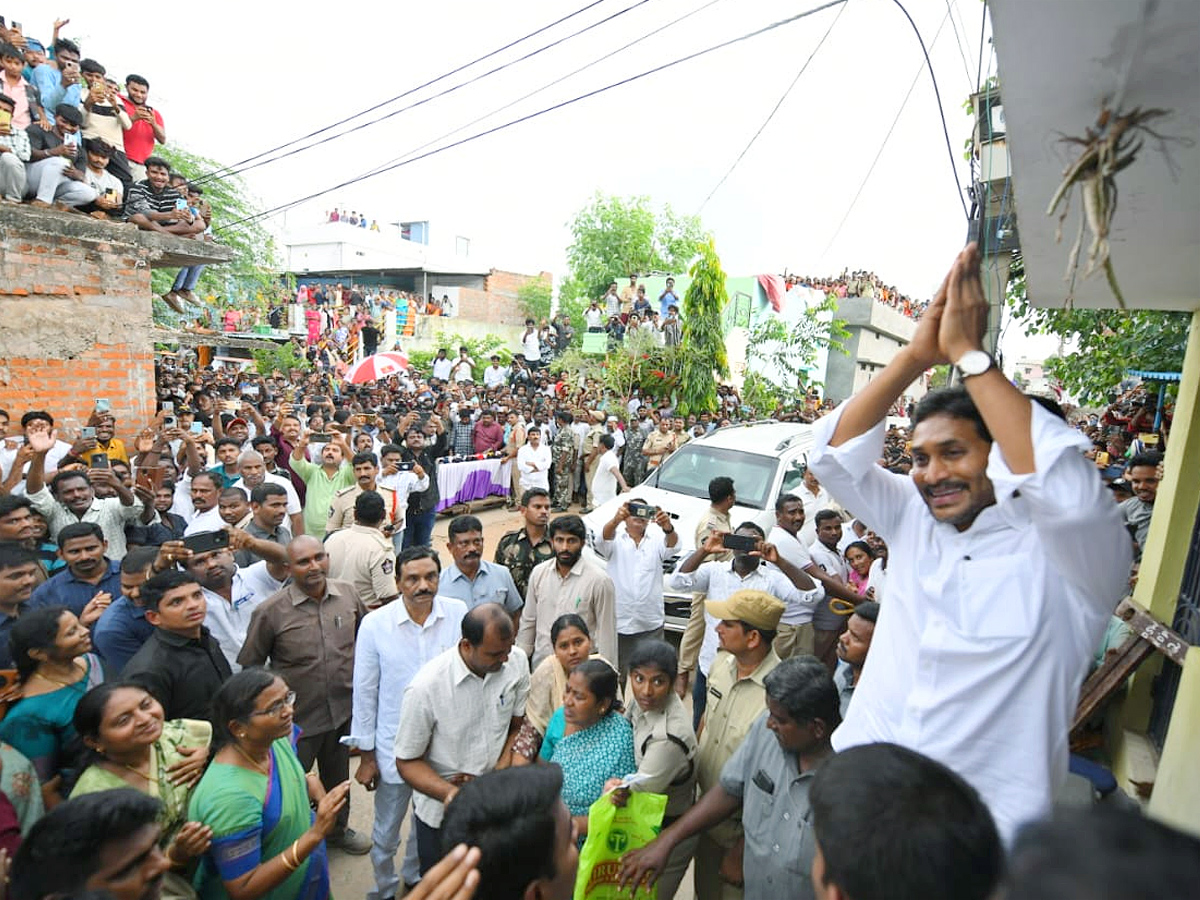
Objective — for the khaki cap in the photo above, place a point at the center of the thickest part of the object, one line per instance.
(757, 608)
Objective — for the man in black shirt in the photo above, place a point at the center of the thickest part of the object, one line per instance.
(422, 505)
(181, 664)
(51, 175)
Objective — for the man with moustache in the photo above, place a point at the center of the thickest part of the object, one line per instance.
(393, 644)
(471, 578)
(1008, 557)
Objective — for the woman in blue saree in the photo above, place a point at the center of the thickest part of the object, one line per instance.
(589, 738)
(267, 843)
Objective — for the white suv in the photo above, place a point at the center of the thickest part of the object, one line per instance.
(764, 459)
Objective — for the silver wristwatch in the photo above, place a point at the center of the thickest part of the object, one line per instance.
(974, 362)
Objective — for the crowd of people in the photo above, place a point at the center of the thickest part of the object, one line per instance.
(73, 138)
(862, 284)
(211, 617)
(352, 218)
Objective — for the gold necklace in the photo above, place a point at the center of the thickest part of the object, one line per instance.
(266, 770)
(146, 775)
(57, 681)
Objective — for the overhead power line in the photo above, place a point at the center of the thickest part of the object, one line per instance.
(941, 111)
(449, 90)
(534, 115)
(774, 110)
(882, 146)
(227, 169)
(545, 87)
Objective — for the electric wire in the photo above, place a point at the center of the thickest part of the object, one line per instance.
(958, 42)
(449, 90)
(879, 152)
(599, 59)
(534, 115)
(410, 91)
(774, 110)
(941, 111)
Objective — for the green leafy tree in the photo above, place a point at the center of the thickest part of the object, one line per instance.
(479, 349)
(1109, 342)
(703, 343)
(781, 353)
(283, 357)
(250, 279)
(615, 237)
(534, 299)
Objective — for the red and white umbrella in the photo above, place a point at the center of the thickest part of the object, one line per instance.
(381, 365)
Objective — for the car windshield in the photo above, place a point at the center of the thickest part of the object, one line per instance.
(690, 468)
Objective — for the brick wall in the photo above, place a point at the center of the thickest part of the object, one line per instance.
(497, 302)
(76, 305)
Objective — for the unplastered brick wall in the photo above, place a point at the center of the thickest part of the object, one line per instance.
(76, 305)
(497, 302)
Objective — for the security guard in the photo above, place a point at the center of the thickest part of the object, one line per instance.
(362, 556)
(341, 511)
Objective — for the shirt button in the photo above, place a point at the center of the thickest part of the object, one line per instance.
(787, 817)
(776, 848)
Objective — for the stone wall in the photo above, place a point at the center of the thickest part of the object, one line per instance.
(76, 302)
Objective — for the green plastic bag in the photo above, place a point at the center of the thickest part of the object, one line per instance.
(612, 832)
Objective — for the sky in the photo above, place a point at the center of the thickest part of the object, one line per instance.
(235, 79)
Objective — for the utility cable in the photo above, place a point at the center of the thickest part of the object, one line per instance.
(534, 115)
(545, 87)
(449, 90)
(774, 110)
(941, 111)
(430, 83)
(882, 147)
(958, 42)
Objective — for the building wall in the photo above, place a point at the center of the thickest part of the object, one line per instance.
(877, 334)
(75, 296)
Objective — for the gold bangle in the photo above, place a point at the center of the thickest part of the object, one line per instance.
(291, 866)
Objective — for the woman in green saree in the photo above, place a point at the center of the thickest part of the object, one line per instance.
(267, 843)
(124, 727)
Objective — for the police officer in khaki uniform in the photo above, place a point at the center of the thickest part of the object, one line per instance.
(341, 510)
(362, 556)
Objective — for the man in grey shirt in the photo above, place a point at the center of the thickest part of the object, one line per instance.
(768, 779)
(1142, 475)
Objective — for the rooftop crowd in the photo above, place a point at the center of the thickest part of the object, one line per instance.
(73, 138)
(862, 284)
(211, 615)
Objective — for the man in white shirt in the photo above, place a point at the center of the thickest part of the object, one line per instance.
(718, 580)
(206, 492)
(533, 462)
(494, 375)
(252, 468)
(230, 600)
(393, 643)
(828, 625)
(635, 559)
(1007, 559)
(531, 344)
(795, 634)
(464, 367)
(442, 366)
(461, 714)
(594, 317)
(815, 499)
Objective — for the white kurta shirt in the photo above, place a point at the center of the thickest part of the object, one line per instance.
(458, 722)
(986, 634)
(637, 574)
(527, 457)
(388, 653)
